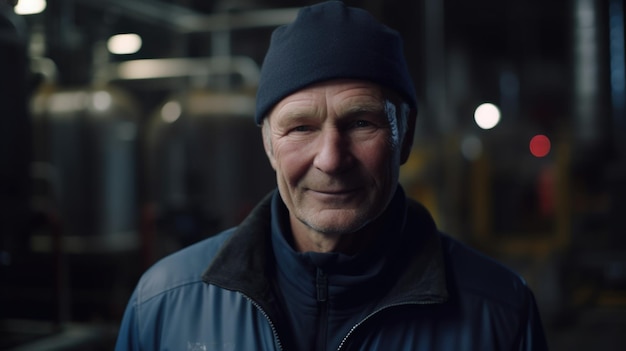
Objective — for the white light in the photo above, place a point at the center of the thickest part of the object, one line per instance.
(101, 100)
(30, 7)
(67, 102)
(124, 44)
(171, 111)
(487, 116)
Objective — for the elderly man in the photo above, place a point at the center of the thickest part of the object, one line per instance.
(337, 258)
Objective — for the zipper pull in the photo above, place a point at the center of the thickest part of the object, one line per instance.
(321, 283)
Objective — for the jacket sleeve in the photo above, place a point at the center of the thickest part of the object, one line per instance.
(533, 337)
(128, 335)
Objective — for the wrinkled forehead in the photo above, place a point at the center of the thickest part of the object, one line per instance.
(342, 96)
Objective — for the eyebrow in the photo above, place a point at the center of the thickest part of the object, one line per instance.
(367, 107)
(297, 114)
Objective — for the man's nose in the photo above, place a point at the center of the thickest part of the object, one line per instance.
(333, 152)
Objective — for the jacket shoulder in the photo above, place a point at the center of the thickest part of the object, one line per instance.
(474, 273)
(181, 268)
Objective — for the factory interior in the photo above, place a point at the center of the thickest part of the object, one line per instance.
(127, 133)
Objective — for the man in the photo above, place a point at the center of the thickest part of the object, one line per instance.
(338, 258)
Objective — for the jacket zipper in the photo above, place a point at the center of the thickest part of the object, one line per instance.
(323, 298)
(321, 283)
(255, 304)
(369, 316)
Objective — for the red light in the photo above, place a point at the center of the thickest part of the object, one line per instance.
(540, 145)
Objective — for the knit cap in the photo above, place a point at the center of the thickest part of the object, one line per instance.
(330, 40)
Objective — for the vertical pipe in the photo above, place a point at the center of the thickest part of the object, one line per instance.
(435, 64)
(617, 63)
(221, 47)
(15, 136)
(591, 115)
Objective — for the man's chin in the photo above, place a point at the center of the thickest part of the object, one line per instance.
(337, 224)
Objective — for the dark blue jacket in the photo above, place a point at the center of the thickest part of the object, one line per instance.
(220, 294)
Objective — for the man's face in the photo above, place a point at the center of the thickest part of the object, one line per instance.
(336, 149)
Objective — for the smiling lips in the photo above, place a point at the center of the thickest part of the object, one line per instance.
(334, 188)
(334, 192)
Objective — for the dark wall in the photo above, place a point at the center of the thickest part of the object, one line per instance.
(14, 132)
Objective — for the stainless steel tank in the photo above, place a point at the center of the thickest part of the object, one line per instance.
(85, 152)
(205, 163)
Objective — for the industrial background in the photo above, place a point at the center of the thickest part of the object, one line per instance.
(117, 150)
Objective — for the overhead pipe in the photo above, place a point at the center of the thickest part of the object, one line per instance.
(197, 69)
(186, 21)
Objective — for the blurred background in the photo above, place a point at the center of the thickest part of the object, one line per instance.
(126, 133)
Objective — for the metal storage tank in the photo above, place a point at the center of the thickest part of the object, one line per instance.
(86, 152)
(205, 163)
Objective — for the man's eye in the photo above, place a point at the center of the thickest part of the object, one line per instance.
(362, 123)
(301, 129)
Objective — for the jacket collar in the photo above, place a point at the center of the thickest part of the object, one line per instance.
(423, 278)
(245, 261)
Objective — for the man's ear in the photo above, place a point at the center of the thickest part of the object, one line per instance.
(267, 142)
(407, 143)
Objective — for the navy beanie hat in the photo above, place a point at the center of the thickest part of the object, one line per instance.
(327, 41)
